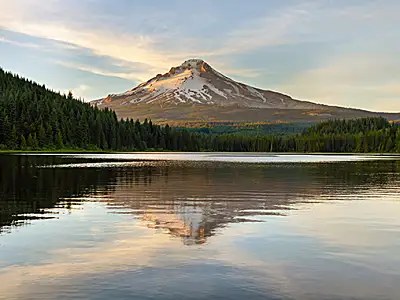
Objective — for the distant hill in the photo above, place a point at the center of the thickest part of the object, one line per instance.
(194, 91)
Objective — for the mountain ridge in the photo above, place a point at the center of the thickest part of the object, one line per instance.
(212, 95)
(196, 82)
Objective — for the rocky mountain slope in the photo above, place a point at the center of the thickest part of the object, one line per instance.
(196, 91)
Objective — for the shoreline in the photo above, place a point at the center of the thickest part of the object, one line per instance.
(69, 151)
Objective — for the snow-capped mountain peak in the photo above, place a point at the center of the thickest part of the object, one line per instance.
(193, 62)
(196, 82)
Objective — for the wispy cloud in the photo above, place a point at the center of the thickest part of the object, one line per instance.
(20, 44)
(97, 71)
(130, 47)
(270, 30)
(369, 81)
(142, 47)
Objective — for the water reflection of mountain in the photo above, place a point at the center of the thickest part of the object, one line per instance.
(189, 200)
(193, 200)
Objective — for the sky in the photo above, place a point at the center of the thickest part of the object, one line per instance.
(338, 52)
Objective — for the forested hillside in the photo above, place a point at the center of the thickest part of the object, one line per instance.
(363, 135)
(32, 117)
(246, 128)
(35, 118)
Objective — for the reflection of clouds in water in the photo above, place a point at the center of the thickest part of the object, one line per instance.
(300, 255)
(356, 229)
(130, 159)
(129, 248)
(99, 165)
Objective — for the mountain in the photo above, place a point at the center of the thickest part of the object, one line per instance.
(195, 91)
(196, 82)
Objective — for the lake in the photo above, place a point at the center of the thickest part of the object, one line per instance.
(199, 226)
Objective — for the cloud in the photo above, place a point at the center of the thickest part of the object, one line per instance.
(164, 45)
(81, 91)
(20, 44)
(351, 80)
(130, 47)
(159, 49)
(242, 72)
(273, 28)
(97, 71)
(270, 30)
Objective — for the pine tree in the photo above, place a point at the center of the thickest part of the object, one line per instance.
(59, 141)
(23, 144)
(389, 145)
(6, 131)
(2, 136)
(70, 96)
(42, 136)
(30, 143)
(35, 142)
(13, 139)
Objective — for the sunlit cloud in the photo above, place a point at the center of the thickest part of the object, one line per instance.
(123, 252)
(347, 80)
(80, 91)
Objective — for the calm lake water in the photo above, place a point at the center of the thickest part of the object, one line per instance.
(199, 226)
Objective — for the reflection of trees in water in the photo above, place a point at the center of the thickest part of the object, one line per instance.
(190, 200)
(26, 192)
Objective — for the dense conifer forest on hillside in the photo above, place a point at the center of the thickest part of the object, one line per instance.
(246, 128)
(35, 118)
